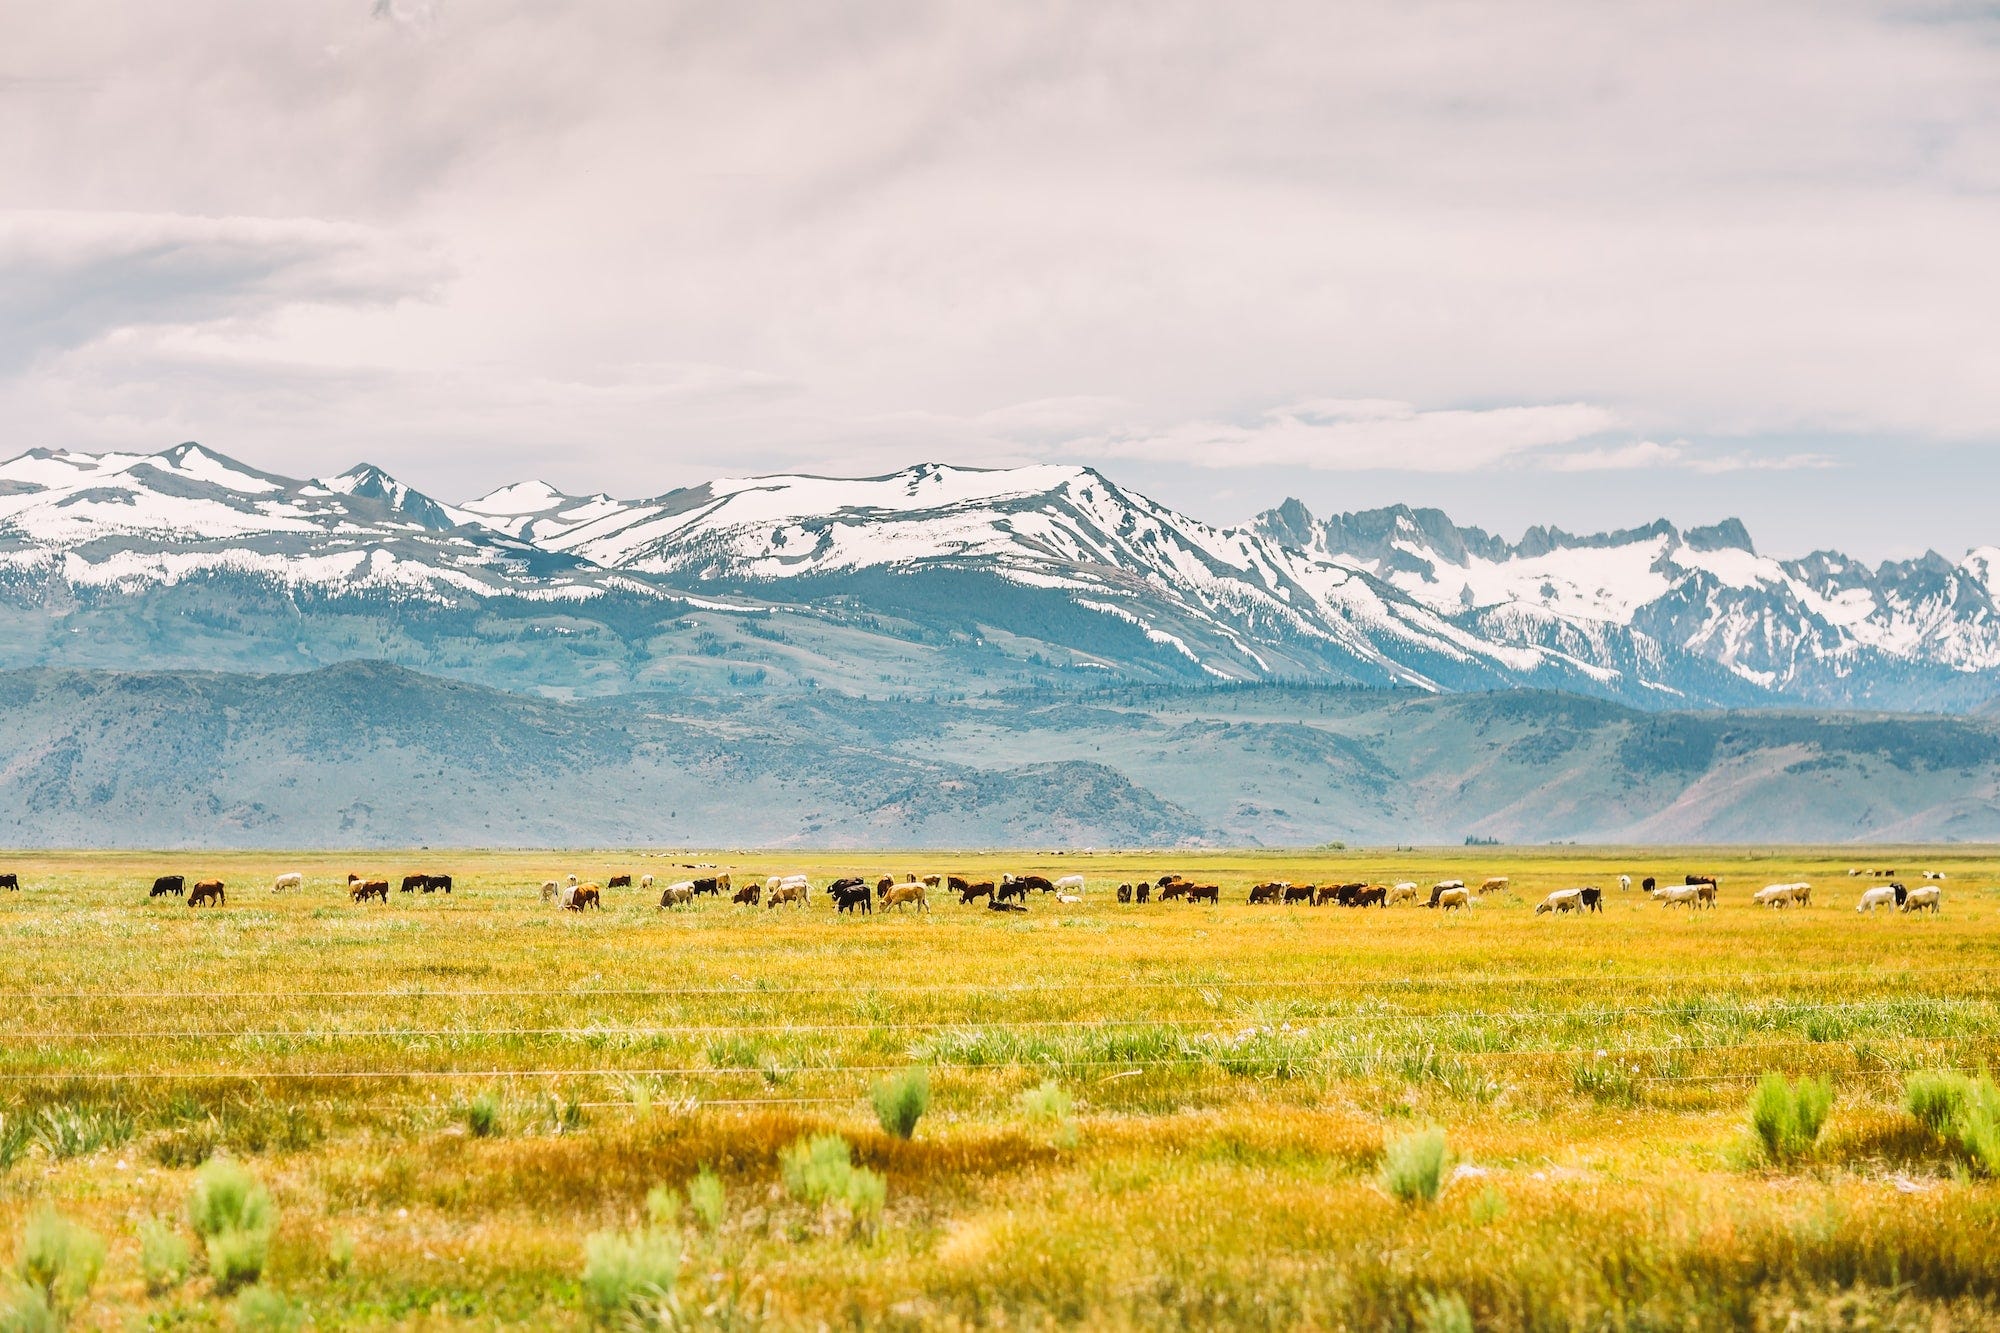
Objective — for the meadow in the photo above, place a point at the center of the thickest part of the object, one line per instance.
(477, 1110)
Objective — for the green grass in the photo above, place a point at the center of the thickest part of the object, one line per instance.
(1133, 1116)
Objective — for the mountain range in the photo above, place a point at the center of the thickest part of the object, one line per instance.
(944, 582)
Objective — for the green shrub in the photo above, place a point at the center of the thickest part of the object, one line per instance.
(1787, 1117)
(901, 1100)
(663, 1207)
(1413, 1166)
(58, 1264)
(1047, 1102)
(821, 1171)
(1443, 1312)
(164, 1257)
(706, 1199)
(261, 1310)
(15, 1136)
(1963, 1112)
(482, 1115)
(234, 1217)
(627, 1278)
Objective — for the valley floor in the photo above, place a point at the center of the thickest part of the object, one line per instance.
(1152, 1115)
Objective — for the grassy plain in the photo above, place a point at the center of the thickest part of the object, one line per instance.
(1232, 1075)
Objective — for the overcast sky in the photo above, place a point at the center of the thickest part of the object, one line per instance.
(1585, 264)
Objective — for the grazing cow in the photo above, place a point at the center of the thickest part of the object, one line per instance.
(1883, 895)
(1885, 874)
(784, 893)
(713, 885)
(1562, 900)
(1300, 893)
(931, 881)
(1649, 884)
(1593, 899)
(10, 880)
(1924, 898)
(1928, 874)
(361, 890)
(291, 880)
(645, 882)
(1447, 899)
(1267, 893)
(166, 884)
(433, 883)
(904, 894)
(1178, 889)
(584, 895)
(1492, 883)
(1142, 892)
(1624, 884)
(1326, 893)
(1673, 895)
(1783, 895)
(1375, 895)
(208, 891)
(1124, 893)
(618, 882)
(678, 895)
(1070, 884)
(848, 899)
(1167, 882)
(1705, 894)
(775, 882)
(1709, 880)
(1010, 888)
(1040, 883)
(956, 883)
(411, 883)
(967, 892)
(1405, 892)
(550, 889)
(996, 905)
(749, 893)
(1200, 893)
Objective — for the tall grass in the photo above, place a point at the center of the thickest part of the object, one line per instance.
(1962, 1112)
(1787, 1117)
(821, 1171)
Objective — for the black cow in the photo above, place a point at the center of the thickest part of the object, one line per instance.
(1593, 899)
(10, 881)
(1011, 889)
(1143, 892)
(853, 896)
(1124, 892)
(166, 884)
(411, 883)
(1649, 884)
(432, 883)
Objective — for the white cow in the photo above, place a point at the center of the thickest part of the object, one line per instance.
(1934, 874)
(290, 880)
(1069, 884)
(1069, 897)
(773, 883)
(549, 890)
(1401, 893)
(1926, 898)
(1888, 895)
(1562, 900)
(645, 881)
(1783, 895)
(1454, 897)
(677, 895)
(1687, 895)
(1624, 883)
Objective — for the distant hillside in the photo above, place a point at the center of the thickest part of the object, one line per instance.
(365, 754)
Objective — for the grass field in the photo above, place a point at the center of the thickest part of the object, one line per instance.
(1138, 1116)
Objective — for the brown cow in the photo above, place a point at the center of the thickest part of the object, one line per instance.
(956, 883)
(904, 894)
(1143, 892)
(968, 892)
(618, 882)
(361, 890)
(1375, 895)
(1267, 893)
(1300, 893)
(1198, 893)
(587, 895)
(411, 883)
(787, 893)
(749, 893)
(1177, 889)
(209, 890)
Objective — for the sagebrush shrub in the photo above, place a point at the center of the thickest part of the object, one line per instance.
(626, 1276)
(901, 1101)
(706, 1199)
(164, 1256)
(1788, 1117)
(822, 1171)
(261, 1310)
(234, 1217)
(482, 1115)
(1413, 1166)
(1962, 1111)
(59, 1260)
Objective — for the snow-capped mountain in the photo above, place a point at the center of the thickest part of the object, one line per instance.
(944, 578)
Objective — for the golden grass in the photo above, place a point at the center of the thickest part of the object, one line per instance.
(1234, 1073)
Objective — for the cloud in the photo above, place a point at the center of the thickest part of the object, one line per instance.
(71, 277)
(1332, 434)
(1652, 454)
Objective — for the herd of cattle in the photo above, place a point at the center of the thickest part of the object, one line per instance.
(1009, 893)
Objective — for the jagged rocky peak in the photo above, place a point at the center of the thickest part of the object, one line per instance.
(1728, 535)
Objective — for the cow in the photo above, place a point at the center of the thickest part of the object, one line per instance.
(207, 891)
(1039, 882)
(1709, 880)
(784, 893)
(932, 881)
(645, 883)
(968, 892)
(1405, 892)
(1124, 893)
(1624, 884)
(1649, 885)
(10, 880)
(618, 882)
(1300, 893)
(749, 893)
(1326, 893)
(166, 884)
(411, 883)
(773, 883)
(1010, 888)
(1928, 874)
(1923, 898)
(1209, 893)
(1885, 874)
(1447, 899)
(904, 894)
(1686, 895)
(290, 880)
(852, 897)
(1562, 900)
(1593, 898)
(1783, 895)
(433, 883)
(1266, 893)
(1166, 882)
(361, 890)
(1178, 889)
(1142, 891)
(1882, 896)
(996, 905)
(680, 894)
(1375, 895)
(584, 895)
(956, 883)
(1492, 883)
(1070, 884)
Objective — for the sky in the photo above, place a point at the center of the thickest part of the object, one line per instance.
(1568, 263)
